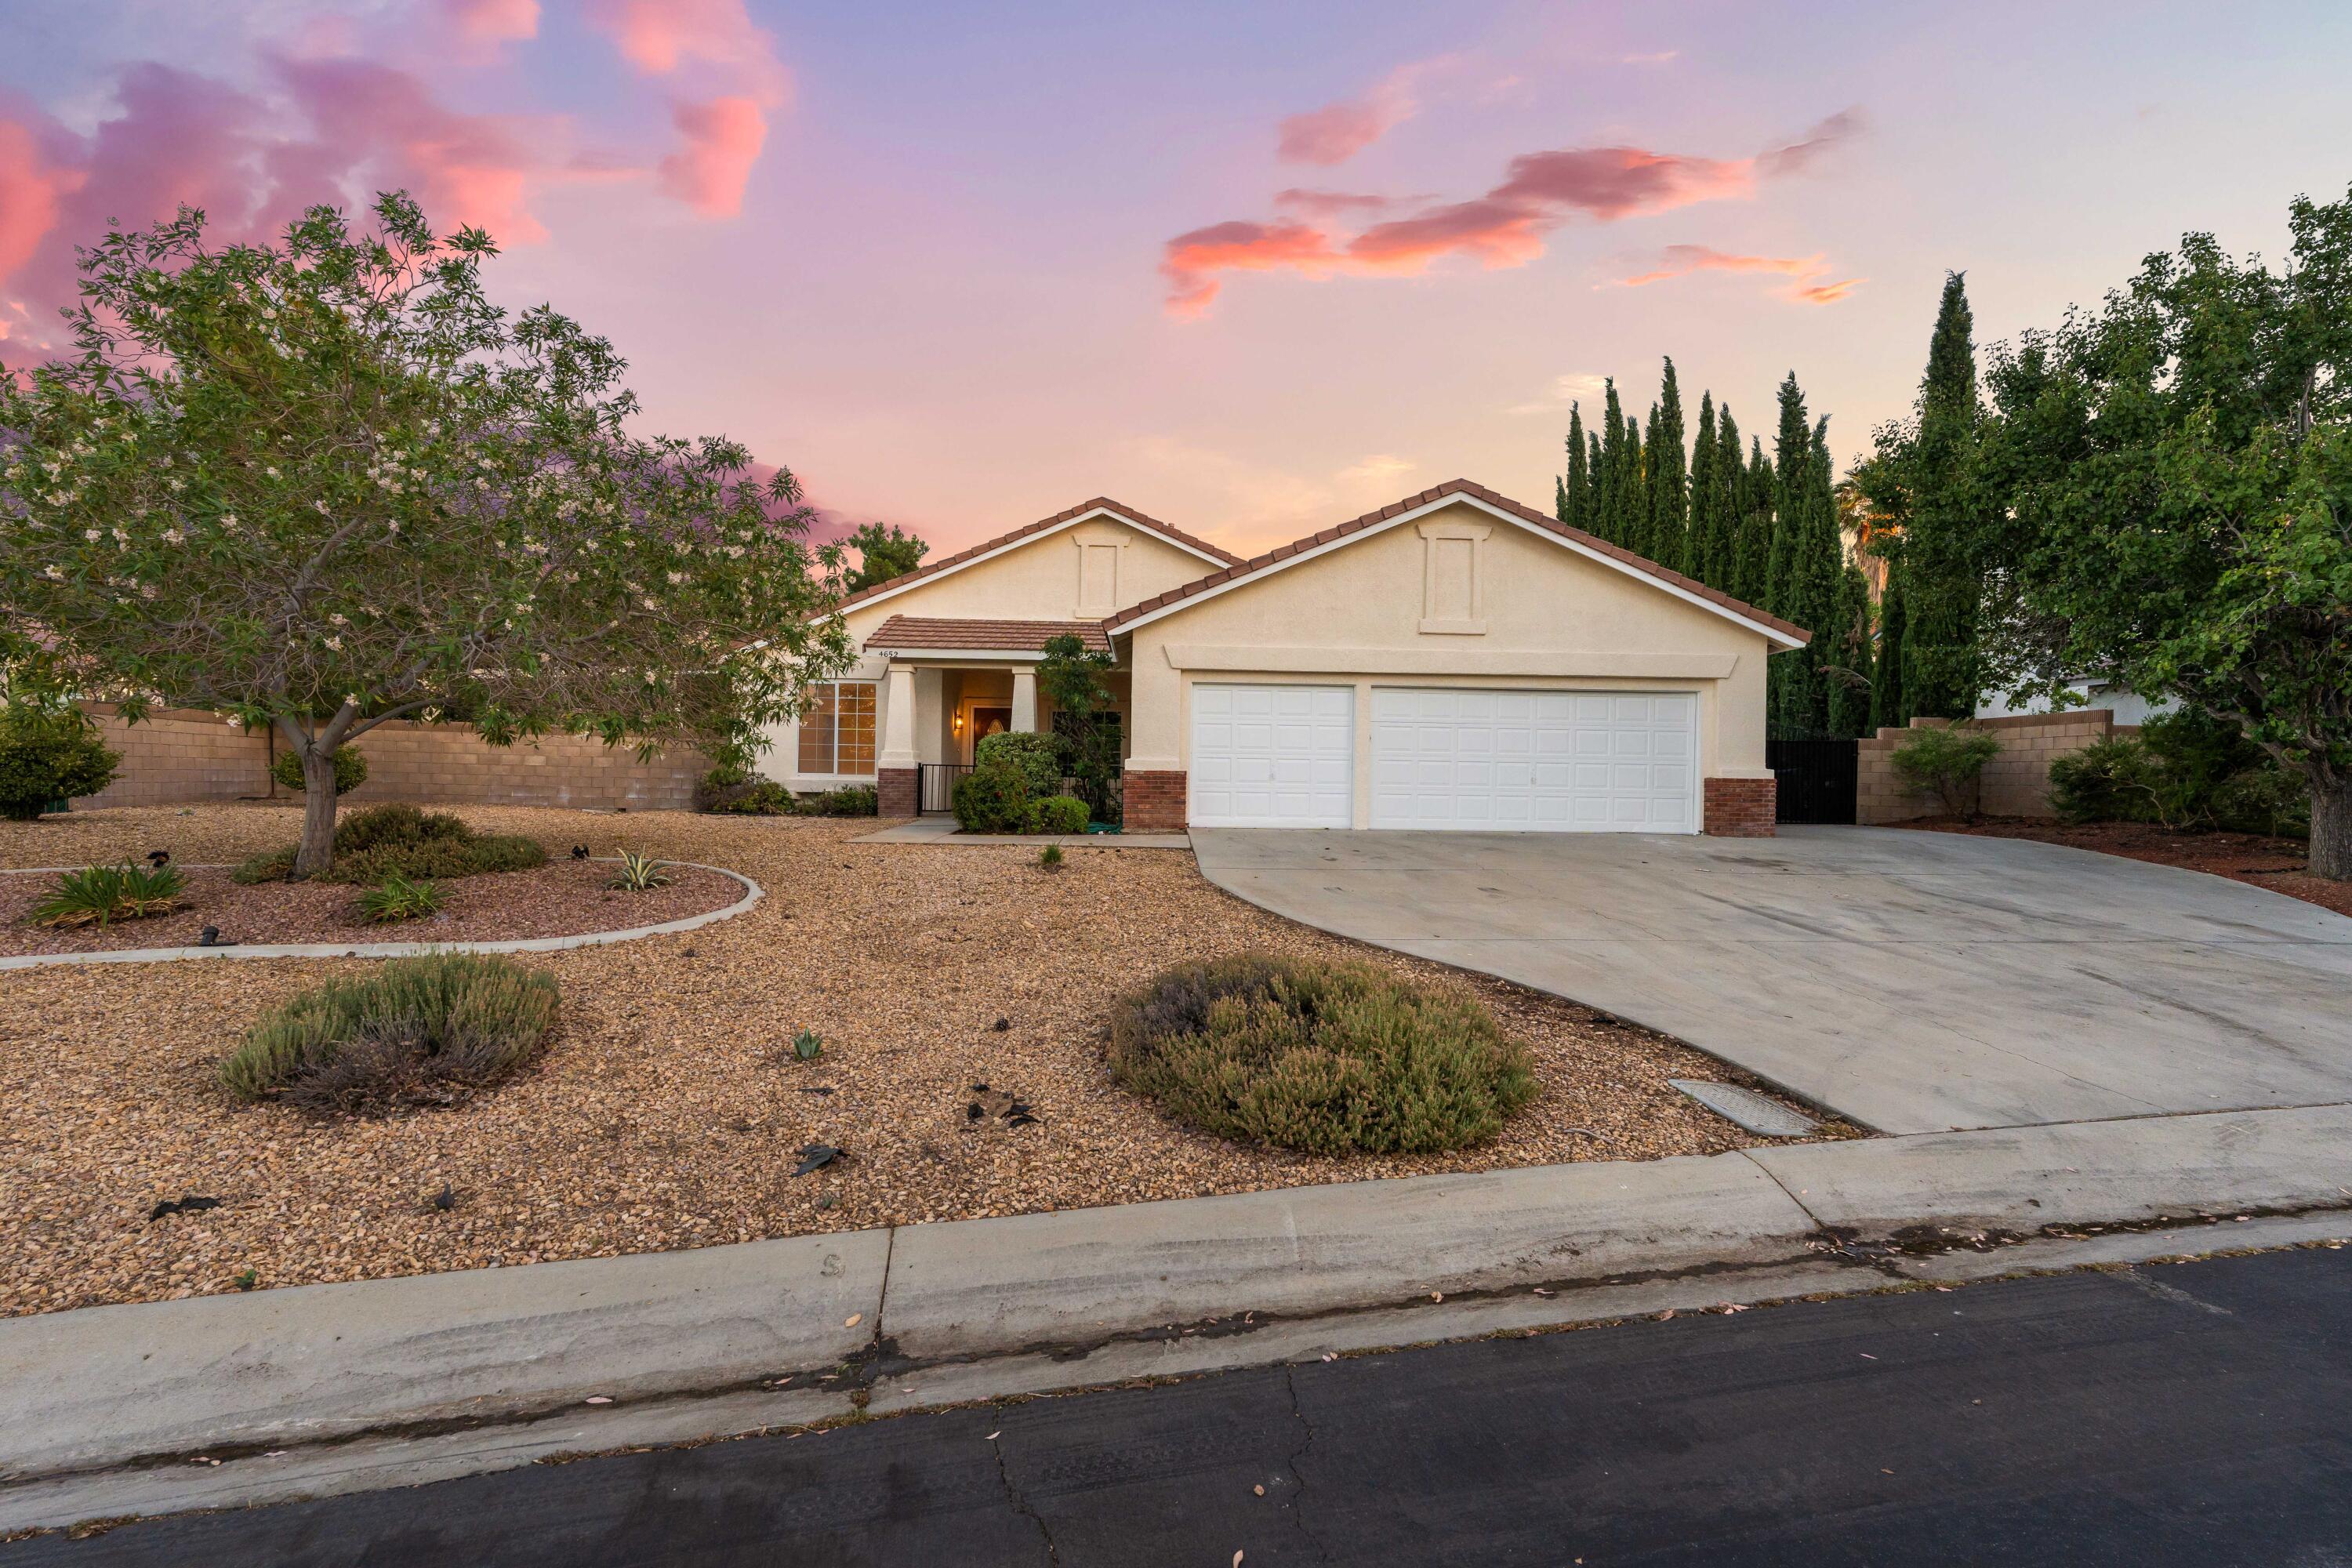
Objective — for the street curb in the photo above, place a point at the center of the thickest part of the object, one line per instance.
(753, 894)
(286, 1387)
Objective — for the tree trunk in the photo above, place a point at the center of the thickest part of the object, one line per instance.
(2331, 829)
(318, 851)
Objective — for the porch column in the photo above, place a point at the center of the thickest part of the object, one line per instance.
(895, 778)
(1024, 700)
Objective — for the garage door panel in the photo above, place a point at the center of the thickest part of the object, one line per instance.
(1546, 761)
(1273, 756)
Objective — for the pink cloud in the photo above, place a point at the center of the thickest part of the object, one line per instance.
(379, 127)
(481, 25)
(723, 138)
(1328, 205)
(661, 37)
(1194, 260)
(1508, 226)
(32, 192)
(1338, 131)
(1682, 260)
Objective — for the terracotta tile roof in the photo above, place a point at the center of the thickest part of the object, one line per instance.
(1100, 503)
(1021, 637)
(1452, 487)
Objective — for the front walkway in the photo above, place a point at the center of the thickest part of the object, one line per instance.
(1914, 982)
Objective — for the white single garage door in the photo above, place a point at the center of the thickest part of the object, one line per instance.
(1535, 761)
(1273, 756)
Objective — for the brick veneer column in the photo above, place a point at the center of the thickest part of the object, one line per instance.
(1152, 802)
(899, 790)
(1741, 808)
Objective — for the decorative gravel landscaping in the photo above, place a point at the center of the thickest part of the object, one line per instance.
(667, 1107)
(564, 898)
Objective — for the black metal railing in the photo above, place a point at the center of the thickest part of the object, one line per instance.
(936, 793)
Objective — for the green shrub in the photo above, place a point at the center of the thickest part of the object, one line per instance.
(1947, 761)
(765, 797)
(2187, 772)
(402, 840)
(351, 770)
(97, 895)
(2267, 799)
(992, 798)
(1329, 1058)
(400, 900)
(1049, 859)
(1058, 813)
(47, 755)
(1041, 758)
(849, 800)
(2107, 781)
(412, 1029)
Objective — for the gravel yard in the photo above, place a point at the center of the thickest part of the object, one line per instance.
(667, 1110)
(564, 898)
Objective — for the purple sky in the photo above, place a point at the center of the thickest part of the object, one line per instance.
(1251, 269)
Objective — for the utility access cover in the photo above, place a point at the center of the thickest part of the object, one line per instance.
(1753, 1111)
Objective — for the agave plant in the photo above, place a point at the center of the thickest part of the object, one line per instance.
(640, 873)
(98, 894)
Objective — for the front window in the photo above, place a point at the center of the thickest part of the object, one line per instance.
(838, 731)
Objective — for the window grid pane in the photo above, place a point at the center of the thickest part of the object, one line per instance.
(854, 728)
(817, 730)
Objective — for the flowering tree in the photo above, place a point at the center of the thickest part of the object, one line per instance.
(324, 484)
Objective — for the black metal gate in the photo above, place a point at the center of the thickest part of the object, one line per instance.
(1816, 779)
(937, 781)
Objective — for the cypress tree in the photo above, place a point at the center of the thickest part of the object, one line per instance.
(1811, 589)
(1669, 502)
(1609, 474)
(1730, 504)
(1698, 543)
(1572, 488)
(1850, 677)
(1792, 460)
(1755, 525)
(1888, 706)
(1945, 587)
(1592, 507)
(1633, 492)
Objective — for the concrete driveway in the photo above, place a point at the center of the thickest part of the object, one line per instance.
(1915, 982)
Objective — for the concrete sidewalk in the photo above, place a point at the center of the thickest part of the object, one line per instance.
(229, 1399)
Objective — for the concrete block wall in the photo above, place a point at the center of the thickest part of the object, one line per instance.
(2016, 783)
(180, 758)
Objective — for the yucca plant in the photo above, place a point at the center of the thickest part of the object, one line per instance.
(96, 895)
(640, 873)
(398, 899)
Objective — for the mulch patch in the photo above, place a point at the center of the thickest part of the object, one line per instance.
(563, 898)
(2261, 861)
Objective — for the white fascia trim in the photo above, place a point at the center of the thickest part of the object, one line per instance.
(1461, 498)
(1027, 539)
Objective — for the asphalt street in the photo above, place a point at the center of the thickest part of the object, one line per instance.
(2184, 1413)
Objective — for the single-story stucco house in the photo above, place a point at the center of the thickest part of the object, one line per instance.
(1454, 660)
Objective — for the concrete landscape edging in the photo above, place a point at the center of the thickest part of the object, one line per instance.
(753, 894)
(337, 1387)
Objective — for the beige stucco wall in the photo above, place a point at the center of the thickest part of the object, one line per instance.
(1551, 618)
(1040, 578)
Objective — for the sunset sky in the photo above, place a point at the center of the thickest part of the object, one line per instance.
(1252, 269)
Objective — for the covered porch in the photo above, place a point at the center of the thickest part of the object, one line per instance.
(946, 685)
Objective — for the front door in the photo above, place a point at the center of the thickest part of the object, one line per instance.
(987, 721)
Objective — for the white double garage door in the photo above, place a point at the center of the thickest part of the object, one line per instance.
(1446, 758)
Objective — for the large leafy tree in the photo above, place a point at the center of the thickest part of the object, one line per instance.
(884, 552)
(325, 483)
(2173, 473)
